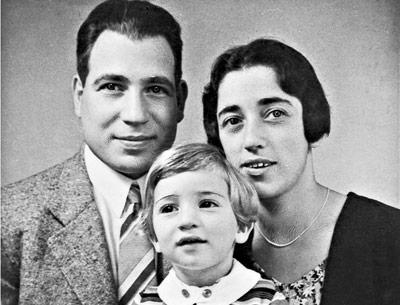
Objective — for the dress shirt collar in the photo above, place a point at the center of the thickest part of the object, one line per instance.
(108, 183)
(226, 291)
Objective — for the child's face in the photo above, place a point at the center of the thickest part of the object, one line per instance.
(195, 225)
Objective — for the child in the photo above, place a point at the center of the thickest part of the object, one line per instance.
(196, 207)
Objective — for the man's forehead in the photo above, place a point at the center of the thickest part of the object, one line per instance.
(116, 53)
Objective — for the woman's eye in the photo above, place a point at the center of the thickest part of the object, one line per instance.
(277, 113)
(168, 208)
(231, 121)
(207, 204)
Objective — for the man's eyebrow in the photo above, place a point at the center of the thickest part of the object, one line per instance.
(111, 77)
(159, 80)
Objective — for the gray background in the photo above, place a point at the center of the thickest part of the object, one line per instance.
(353, 45)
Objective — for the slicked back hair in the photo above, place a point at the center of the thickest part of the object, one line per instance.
(135, 19)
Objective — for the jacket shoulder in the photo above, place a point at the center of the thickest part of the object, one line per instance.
(30, 194)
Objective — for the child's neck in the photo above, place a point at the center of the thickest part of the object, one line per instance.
(204, 277)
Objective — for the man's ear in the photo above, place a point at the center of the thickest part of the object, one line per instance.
(243, 234)
(181, 96)
(156, 246)
(77, 90)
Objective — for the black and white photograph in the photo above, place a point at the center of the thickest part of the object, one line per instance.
(183, 152)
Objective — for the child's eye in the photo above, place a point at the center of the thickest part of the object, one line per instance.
(206, 203)
(167, 208)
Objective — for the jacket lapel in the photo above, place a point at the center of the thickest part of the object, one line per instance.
(79, 247)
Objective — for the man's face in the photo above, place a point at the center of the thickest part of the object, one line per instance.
(130, 105)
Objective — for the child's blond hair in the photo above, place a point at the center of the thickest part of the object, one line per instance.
(199, 156)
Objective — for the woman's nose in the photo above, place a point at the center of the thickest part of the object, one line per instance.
(254, 136)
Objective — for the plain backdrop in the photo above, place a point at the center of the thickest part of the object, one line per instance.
(352, 44)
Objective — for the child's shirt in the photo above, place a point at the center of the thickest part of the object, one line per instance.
(241, 286)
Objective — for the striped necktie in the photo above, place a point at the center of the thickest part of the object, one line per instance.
(136, 266)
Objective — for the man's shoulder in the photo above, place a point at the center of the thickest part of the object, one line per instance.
(27, 193)
(38, 181)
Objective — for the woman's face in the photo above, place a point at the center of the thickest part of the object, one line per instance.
(261, 131)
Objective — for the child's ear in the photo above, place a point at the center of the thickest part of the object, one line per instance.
(243, 234)
(156, 246)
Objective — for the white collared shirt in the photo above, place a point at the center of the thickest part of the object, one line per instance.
(110, 191)
(226, 291)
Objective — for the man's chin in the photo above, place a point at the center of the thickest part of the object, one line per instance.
(134, 167)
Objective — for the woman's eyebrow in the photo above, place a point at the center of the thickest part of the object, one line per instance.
(272, 100)
(227, 109)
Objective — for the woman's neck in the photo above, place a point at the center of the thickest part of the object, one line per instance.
(289, 213)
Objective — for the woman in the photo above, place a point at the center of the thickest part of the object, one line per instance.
(265, 108)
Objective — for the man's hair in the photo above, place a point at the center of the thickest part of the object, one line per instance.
(194, 157)
(295, 76)
(136, 20)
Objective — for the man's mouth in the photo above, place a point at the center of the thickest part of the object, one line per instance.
(136, 138)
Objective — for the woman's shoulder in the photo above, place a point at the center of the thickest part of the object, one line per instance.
(365, 205)
(368, 216)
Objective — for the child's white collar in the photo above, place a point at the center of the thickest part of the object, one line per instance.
(227, 290)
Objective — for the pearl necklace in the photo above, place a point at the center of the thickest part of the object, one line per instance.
(302, 232)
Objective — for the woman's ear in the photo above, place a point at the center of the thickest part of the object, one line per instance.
(243, 234)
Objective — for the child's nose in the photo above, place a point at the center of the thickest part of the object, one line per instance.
(188, 218)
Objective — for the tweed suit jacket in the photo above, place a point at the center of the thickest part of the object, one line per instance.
(53, 245)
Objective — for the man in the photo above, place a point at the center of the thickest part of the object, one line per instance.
(63, 230)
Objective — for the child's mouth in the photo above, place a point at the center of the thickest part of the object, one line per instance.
(190, 240)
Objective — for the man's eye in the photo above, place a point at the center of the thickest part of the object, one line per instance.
(111, 87)
(168, 208)
(157, 90)
(207, 204)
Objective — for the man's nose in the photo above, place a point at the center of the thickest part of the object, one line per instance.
(254, 136)
(134, 108)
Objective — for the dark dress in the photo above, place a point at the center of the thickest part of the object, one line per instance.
(363, 265)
